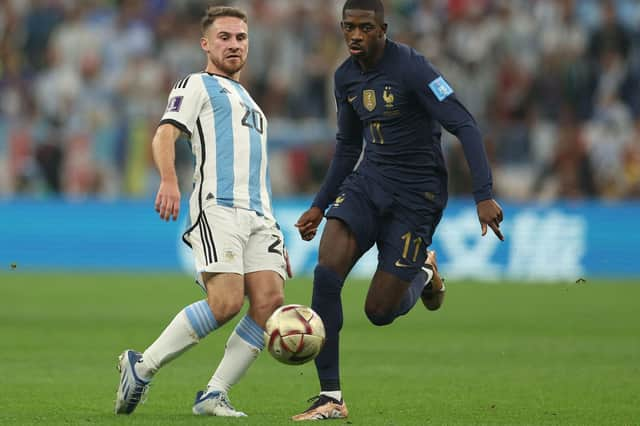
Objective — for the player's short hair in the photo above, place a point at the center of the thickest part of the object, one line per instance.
(375, 5)
(214, 12)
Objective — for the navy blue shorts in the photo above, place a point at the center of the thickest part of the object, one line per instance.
(374, 216)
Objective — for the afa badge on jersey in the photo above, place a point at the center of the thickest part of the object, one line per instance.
(440, 88)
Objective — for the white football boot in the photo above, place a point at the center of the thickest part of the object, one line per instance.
(132, 389)
(215, 404)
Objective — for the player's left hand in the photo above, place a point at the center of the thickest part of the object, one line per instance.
(168, 200)
(490, 214)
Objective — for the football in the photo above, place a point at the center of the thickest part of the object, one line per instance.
(294, 334)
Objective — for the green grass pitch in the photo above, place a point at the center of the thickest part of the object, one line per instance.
(564, 354)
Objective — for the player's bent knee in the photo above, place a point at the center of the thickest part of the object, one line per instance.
(379, 317)
(276, 301)
(269, 303)
(261, 309)
(224, 310)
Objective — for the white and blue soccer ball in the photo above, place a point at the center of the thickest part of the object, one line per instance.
(294, 334)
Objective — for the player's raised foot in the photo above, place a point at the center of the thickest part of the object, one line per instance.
(132, 389)
(215, 404)
(323, 408)
(434, 291)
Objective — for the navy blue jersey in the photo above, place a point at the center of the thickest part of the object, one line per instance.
(398, 108)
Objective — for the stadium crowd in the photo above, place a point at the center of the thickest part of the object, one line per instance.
(554, 84)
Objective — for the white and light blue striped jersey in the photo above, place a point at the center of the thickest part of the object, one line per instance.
(228, 132)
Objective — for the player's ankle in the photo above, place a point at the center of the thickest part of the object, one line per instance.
(337, 394)
(143, 371)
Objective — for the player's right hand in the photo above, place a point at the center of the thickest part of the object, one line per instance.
(308, 223)
(168, 200)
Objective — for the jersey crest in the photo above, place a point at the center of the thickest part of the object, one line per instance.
(369, 99)
(388, 97)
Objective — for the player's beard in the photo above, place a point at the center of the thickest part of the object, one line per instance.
(228, 67)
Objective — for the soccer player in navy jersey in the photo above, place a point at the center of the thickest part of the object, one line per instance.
(391, 97)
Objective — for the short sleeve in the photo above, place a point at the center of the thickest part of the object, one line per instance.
(185, 103)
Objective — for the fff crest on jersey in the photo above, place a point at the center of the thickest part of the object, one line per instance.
(388, 97)
(369, 99)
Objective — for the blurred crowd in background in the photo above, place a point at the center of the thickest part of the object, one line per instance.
(554, 84)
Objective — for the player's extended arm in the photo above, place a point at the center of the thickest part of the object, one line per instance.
(461, 123)
(164, 153)
(348, 149)
(344, 160)
(455, 118)
(342, 164)
(440, 101)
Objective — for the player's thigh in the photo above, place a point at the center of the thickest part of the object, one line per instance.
(402, 246)
(338, 249)
(385, 292)
(218, 240)
(264, 250)
(265, 290)
(351, 228)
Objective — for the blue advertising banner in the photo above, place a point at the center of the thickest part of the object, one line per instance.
(543, 242)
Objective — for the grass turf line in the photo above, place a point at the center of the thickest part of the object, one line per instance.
(495, 354)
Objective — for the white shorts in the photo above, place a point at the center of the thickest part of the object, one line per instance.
(232, 240)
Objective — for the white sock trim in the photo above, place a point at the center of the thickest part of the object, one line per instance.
(337, 395)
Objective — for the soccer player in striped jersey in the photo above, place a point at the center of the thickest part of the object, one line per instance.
(237, 245)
